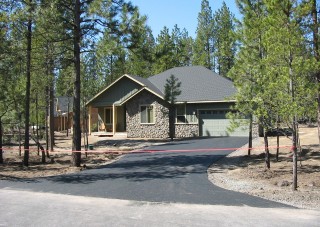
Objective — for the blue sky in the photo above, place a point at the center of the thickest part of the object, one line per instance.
(184, 13)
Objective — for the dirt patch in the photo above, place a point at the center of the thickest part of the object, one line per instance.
(248, 174)
(57, 164)
(105, 150)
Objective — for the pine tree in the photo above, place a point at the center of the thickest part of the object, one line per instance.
(225, 42)
(312, 8)
(49, 42)
(5, 75)
(30, 10)
(249, 71)
(272, 71)
(89, 17)
(289, 66)
(182, 46)
(171, 92)
(140, 45)
(164, 52)
(203, 48)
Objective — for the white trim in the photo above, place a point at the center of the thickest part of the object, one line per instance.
(143, 88)
(129, 77)
(130, 97)
(138, 82)
(103, 90)
(154, 114)
(156, 94)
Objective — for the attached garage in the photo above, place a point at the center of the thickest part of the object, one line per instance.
(215, 123)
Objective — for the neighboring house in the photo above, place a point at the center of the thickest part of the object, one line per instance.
(63, 113)
(136, 105)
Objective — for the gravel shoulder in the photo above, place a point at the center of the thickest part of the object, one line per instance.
(241, 173)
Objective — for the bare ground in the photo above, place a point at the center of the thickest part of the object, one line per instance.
(106, 150)
(242, 173)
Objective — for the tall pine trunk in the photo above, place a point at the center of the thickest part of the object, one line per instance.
(76, 140)
(171, 122)
(278, 139)
(51, 115)
(250, 135)
(294, 132)
(266, 150)
(50, 95)
(19, 134)
(315, 45)
(37, 124)
(294, 156)
(1, 157)
(47, 121)
(28, 85)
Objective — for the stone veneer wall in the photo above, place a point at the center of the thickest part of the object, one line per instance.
(255, 129)
(186, 130)
(160, 129)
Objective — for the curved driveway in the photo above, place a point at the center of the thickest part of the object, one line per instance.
(156, 177)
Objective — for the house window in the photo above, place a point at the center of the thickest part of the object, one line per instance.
(181, 114)
(147, 114)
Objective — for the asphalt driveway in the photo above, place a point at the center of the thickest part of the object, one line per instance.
(156, 177)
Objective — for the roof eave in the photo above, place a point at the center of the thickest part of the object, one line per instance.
(143, 88)
(125, 75)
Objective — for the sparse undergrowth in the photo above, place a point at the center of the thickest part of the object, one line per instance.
(57, 164)
(241, 173)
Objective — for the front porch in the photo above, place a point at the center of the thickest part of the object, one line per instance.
(111, 121)
(117, 135)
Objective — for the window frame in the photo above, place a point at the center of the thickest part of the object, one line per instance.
(180, 115)
(146, 117)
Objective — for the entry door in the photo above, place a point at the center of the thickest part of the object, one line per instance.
(108, 117)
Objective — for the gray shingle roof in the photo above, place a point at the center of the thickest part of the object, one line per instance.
(148, 84)
(61, 103)
(197, 84)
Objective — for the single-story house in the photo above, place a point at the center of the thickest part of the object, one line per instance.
(63, 114)
(136, 105)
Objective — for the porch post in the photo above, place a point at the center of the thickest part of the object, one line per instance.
(89, 120)
(61, 122)
(113, 119)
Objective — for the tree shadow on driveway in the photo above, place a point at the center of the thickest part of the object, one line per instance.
(148, 167)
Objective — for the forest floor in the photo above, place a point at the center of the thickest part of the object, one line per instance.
(239, 172)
